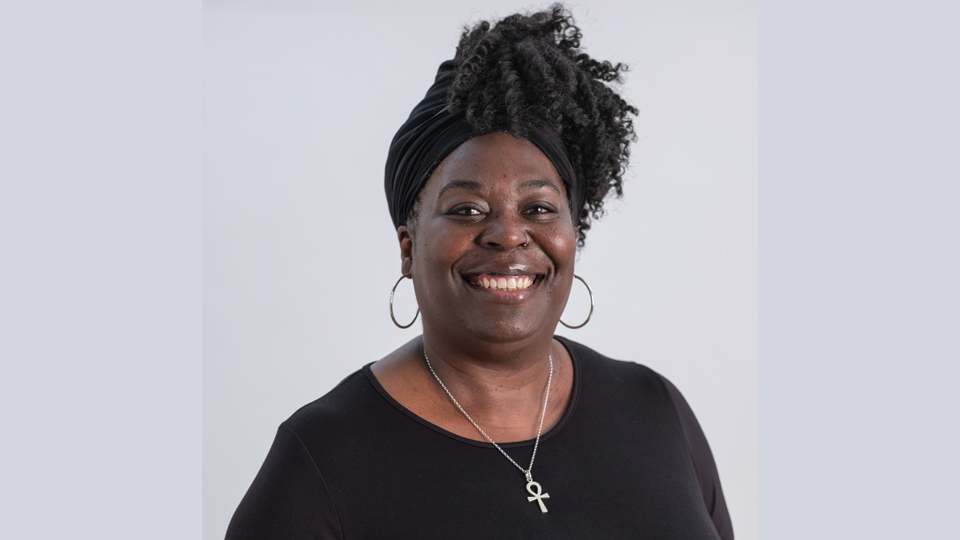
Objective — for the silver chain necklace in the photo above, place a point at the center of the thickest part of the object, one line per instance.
(531, 485)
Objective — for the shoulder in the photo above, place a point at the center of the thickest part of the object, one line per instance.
(626, 384)
(339, 407)
(596, 368)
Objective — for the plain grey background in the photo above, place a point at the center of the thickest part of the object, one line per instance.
(301, 101)
(100, 269)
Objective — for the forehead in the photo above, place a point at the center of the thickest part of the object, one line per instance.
(495, 157)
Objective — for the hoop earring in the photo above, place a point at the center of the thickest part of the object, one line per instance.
(392, 291)
(584, 323)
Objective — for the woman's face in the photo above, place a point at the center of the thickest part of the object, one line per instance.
(492, 248)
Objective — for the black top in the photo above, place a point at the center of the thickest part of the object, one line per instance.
(627, 460)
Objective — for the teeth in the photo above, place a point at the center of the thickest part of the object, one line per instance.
(506, 284)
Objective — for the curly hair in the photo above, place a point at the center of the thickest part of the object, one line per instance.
(529, 69)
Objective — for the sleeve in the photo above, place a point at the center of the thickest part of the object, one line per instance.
(288, 499)
(703, 461)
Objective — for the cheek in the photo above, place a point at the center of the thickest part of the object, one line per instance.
(560, 244)
(440, 247)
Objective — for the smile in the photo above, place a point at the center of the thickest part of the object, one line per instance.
(502, 282)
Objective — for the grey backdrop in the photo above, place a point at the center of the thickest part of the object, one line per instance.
(300, 103)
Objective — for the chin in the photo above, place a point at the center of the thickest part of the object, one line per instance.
(504, 330)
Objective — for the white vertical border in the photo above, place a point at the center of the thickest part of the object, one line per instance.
(859, 265)
(100, 254)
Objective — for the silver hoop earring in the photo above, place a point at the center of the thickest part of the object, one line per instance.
(584, 323)
(394, 290)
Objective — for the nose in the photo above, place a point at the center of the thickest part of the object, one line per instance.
(506, 231)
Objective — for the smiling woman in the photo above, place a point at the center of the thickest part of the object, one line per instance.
(492, 183)
(496, 210)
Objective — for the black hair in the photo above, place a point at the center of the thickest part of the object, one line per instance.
(529, 69)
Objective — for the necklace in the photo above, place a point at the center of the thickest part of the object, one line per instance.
(531, 485)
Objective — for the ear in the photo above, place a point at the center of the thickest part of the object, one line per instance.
(406, 249)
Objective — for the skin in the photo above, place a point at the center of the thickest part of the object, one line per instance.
(495, 206)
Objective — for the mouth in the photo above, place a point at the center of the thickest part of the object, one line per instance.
(503, 282)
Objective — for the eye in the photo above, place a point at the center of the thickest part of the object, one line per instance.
(465, 210)
(540, 209)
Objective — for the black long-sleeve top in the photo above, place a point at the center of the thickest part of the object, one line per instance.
(627, 460)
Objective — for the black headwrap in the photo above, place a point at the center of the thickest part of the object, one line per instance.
(432, 132)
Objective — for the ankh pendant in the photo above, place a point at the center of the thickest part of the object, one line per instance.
(537, 496)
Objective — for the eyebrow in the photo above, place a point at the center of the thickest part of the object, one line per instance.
(461, 184)
(477, 186)
(533, 184)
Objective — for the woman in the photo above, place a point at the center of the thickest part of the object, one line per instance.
(487, 425)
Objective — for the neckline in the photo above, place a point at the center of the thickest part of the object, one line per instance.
(574, 398)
